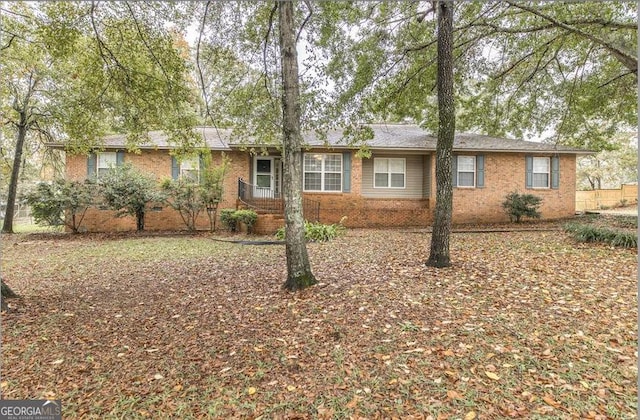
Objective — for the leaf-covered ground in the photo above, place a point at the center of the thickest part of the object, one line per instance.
(523, 325)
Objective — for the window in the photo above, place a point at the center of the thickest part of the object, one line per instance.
(389, 172)
(190, 168)
(541, 172)
(322, 172)
(466, 171)
(106, 161)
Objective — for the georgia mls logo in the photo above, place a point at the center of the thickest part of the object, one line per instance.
(30, 410)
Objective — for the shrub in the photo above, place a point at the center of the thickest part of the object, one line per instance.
(186, 197)
(521, 205)
(128, 191)
(228, 219)
(590, 233)
(318, 232)
(50, 202)
(248, 217)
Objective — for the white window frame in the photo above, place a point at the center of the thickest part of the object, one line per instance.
(323, 172)
(389, 173)
(188, 165)
(534, 172)
(105, 161)
(459, 171)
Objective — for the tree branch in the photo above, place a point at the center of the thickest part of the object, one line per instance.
(200, 76)
(144, 41)
(306, 19)
(625, 59)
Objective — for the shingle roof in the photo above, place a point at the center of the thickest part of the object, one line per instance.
(215, 138)
(414, 138)
(386, 137)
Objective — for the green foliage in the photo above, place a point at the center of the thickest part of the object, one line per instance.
(591, 233)
(50, 202)
(247, 217)
(128, 191)
(212, 179)
(318, 232)
(382, 60)
(184, 196)
(521, 205)
(230, 218)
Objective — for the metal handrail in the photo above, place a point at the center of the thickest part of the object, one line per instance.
(270, 201)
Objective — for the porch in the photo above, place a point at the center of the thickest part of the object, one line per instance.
(269, 204)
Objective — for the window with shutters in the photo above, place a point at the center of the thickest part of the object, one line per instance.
(541, 172)
(105, 161)
(389, 172)
(322, 172)
(190, 169)
(466, 171)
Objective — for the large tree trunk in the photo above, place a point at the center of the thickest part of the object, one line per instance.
(439, 256)
(299, 273)
(7, 226)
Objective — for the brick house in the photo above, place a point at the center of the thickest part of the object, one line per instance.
(395, 187)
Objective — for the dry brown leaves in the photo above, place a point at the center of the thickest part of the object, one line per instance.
(524, 324)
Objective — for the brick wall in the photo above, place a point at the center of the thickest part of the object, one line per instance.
(504, 173)
(158, 216)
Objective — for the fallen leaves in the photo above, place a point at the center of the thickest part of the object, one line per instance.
(521, 325)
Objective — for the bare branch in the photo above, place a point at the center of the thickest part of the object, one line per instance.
(615, 78)
(144, 41)
(200, 76)
(306, 19)
(266, 42)
(8, 43)
(625, 59)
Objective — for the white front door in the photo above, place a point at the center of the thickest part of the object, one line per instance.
(266, 177)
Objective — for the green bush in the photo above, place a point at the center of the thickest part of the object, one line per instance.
(128, 191)
(318, 232)
(185, 197)
(521, 205)
(590, 233)
(228, 219)
(248, 217)
(50, 202)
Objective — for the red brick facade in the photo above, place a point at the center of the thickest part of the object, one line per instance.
(504, 172)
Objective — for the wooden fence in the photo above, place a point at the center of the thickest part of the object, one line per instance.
(603, 199)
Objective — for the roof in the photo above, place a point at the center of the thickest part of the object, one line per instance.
(400, 137)
(413, 138)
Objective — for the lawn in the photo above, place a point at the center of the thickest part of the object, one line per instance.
(523, 325)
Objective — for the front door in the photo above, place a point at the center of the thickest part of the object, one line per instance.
(266, 177)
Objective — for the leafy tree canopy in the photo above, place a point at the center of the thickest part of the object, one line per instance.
(525, 69)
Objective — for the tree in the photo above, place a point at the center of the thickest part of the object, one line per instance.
(610, 168)
(299, 274)
(128, 191)
(24, 66)
(561, 71)
(77, 71)
(566, 71)
(439, 253)
(61, 202)
(269, 102)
